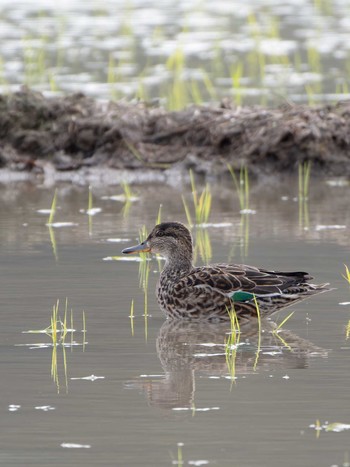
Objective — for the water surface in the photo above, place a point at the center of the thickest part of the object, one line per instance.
(131, 398)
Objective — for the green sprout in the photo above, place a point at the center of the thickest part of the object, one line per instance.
(201, 204)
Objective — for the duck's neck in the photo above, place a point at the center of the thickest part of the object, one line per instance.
(178, 263)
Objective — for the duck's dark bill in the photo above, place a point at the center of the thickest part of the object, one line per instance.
(142, 248)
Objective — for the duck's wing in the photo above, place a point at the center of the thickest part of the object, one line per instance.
(240, 281)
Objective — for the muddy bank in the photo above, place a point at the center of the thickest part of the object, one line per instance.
(40, 135)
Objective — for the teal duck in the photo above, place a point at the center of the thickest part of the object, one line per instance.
(209, 292)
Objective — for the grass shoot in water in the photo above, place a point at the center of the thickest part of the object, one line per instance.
(58, 331)
(201, 204)
(241, 184)
(304, 171)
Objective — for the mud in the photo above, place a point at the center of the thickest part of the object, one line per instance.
(41, 134)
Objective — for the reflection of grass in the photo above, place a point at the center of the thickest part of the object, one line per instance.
(304, 171)
(131, 316)
(259, 332)
(231, 344)
(275, 332)
(53, 208)
(180, 461)
(201, 204)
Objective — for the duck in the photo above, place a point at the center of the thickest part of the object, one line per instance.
(211, 292)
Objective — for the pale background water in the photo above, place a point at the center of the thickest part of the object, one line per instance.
(147, 402)
(256, 51)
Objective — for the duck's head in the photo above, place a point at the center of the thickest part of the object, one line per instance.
(169, 239)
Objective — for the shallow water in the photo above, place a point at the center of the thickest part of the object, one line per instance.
(130, 399)
(259, 52)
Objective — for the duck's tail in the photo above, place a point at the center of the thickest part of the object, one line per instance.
(290, 296)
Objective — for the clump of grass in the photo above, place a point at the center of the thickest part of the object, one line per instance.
(58, 331)
(236, 77)
(178, 96)
(242, 187)
(241, 184)
(203, 245)
(201, 204)
(129, 197)
(304, 172)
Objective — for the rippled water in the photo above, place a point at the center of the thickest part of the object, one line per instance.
(128, 395)
(178, 52)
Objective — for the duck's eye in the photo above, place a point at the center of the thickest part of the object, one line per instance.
(161, 233)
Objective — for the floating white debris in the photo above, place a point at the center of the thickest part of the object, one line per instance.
(93, 211)
(337, 427)
(199, 462)
(214, 377)
(338, 182)
(44, 211)
(75, 446)
(58, 225)
(329, 227)
(195, 409)
(210, 344)
(14, 407)
(122, 198)
(284, 198)
(344, 303)
(151, 376)
(219, 225)
(45, 408)
(285, 377)
(35, 346)
(136, 259)
(200, 355)
(118, 240)
(247, 211)
(90, 378)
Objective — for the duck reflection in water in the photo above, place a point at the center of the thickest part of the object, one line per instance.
(187, 350)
